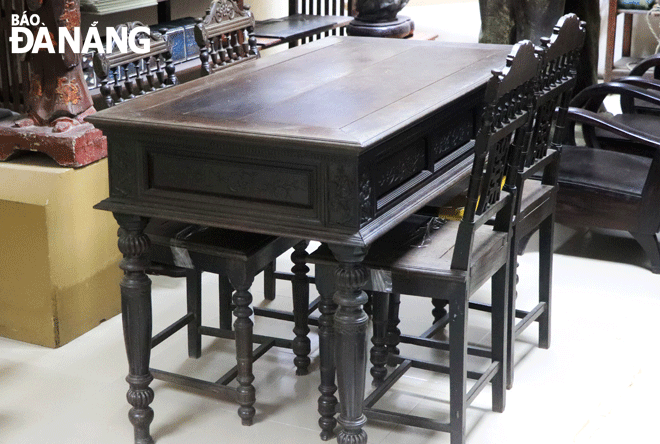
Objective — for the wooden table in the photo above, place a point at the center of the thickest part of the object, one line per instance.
(336, 141)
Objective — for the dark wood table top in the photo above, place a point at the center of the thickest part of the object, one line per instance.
(334, 140)
(345, 93)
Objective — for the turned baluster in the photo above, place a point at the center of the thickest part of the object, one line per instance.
(128, 82)
(235, 45)
(116, 78)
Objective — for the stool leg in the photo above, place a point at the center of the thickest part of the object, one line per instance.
(327, 404)
(458, 309)
(300, 284)
(393, 332)
(194, 299)
(243, 328)
(546, 235)
(379, 338)
(269, 282)
(224, 291)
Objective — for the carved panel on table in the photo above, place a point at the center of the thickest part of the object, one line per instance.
(122, 168)
(454, 134)
(397, 168)
(342, 207)
(366, 195)
(172, 171)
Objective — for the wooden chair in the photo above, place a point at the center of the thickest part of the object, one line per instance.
(639, 77)
(236, 258)
(613, 181)
(456, 259)
(307, 20)
(536, 182)
(125, 76)
(225, 35)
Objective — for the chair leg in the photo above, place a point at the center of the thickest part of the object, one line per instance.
(225, 290)
(379, 338)
(244, 358)
(439, 309)
(546, 237)
(368, 307)
(300, 286)
(194, 302)
(511, 307)
(651, 246)
(393, 332)
(500, 323)
(269, 282)
(327, 403)
(458, 309)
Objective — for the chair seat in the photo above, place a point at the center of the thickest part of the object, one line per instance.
(534, 195)
(646, 123)
(297, 26)
(396, 252)
(618, 175)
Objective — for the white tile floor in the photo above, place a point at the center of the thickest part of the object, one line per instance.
(596, 384)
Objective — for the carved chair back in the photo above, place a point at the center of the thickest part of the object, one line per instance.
(557, 77)
(501, 134)
(12, 67)
(126, 75)
(560, 55)
(225, 35)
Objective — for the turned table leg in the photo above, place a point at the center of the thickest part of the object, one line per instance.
(350, 324)
(136, 319)
(300, 284)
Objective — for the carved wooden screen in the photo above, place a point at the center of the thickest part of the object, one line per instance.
(11, 66)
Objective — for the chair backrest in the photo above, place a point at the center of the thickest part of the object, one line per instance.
(225, 35)
(508, 103)
(12, 68)
(125, 75)
(560, 57)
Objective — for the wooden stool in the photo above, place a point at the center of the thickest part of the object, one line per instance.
(236, 257)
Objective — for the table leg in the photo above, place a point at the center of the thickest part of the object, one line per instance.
(136, 318)
(350, 345)
(327, 404)
(300, 283)
(243, 328)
